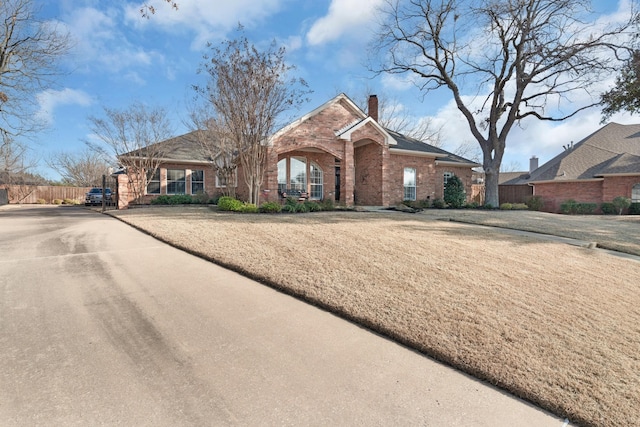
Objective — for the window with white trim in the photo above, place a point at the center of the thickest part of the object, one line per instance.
(316, 179)
(447, 175)
(153, 183)
(635, 193)
(197, 181)
(176, 181)
(409, 184)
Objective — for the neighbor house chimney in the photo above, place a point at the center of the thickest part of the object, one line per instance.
(533, 164)
(373, 107)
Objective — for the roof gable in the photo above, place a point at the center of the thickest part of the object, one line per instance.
(341, 99)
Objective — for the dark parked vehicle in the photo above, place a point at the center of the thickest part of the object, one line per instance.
(94, 197)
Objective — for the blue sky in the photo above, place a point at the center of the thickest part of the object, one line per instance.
(119, 57)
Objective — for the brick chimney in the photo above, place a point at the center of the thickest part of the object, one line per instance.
(533, 164)
(373, 107)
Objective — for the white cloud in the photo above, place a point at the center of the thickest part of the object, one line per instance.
(50, 99)
(99, 40)
(344, 17)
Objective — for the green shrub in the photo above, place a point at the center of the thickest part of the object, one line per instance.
(621, 203)
(41, 201)
(270, 207)
(301, 207)
(160, 200)
(472, 205)
(506, 206)
(181, 199)
(248, 208)
(227, 203)
(438, 204)
(287, 207)
(519, 207)
(608, 208)
(487, 206)
(569, 207)
(200, 197)
(586, 208)
(176, 199)
(535, 203)
(454, 194)
(327, 205)
(312, 206)
(634, 209)
(57, 201)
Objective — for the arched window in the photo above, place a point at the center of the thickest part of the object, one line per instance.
(298, 173)
(635, 193)
(282, 175)
(316, 181)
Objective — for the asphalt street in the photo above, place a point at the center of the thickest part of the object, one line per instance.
(103, 325)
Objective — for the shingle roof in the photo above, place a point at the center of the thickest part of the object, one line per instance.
(180, 148)
(411, 144)
(614, 148)
(513, 178)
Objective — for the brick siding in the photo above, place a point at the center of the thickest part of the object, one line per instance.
(603, 190)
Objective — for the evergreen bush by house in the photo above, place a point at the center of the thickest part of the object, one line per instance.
(454, 194)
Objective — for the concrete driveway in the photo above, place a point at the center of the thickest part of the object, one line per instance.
(101, 324)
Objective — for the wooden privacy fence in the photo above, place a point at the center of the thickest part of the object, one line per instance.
(24, 194)
(514, 193)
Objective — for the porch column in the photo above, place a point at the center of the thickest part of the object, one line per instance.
(348, 172)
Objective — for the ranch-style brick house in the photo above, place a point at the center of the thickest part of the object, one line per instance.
(336, 151)
(599, 168)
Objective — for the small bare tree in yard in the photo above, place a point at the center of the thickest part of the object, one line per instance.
(248, 90)
(80, 169)
(517, 59)
(137, 138)
(29, 50)
(216, 145)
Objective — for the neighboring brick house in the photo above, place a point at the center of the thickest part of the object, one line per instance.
(339, 152)
(604, 165)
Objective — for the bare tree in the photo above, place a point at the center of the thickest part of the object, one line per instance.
(81, 169)
(527, 56)
(216, 145)
(29, 50)
(16, 167)
(392, 115)
(512, 166)
(146, 10)
(137, 138)
(248, 90)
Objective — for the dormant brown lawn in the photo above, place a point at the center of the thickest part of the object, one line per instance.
(556, 324)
